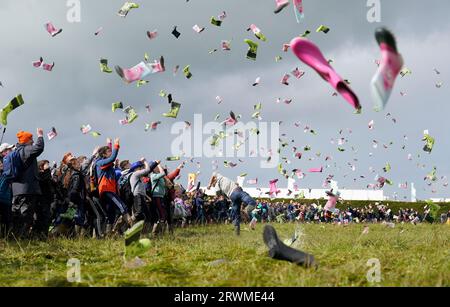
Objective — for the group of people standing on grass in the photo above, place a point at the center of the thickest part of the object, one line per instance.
(98, 195)
(295, 211)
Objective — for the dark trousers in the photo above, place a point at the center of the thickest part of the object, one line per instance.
(168, 207)
(42, 220)
(23, 210)
(222, 215)
(111, 202)
(237, 198)
(200, 216)
(95, 215)
(5, 219)
(153, 211)
(141, 210)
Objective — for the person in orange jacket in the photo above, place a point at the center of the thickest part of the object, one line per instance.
(108, 187)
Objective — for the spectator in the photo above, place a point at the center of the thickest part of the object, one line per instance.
(25, 188)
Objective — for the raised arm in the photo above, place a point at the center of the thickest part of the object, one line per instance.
(157, 176)
(87, 164)
(115, 152)
(38, 148)
(175, 173)
(144, 172)
(109, 143)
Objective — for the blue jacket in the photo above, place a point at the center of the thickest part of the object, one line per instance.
(5, 190)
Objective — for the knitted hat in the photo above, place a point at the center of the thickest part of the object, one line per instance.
(24, 137)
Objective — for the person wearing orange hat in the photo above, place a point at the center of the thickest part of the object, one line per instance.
(25, 187)
(25, 137)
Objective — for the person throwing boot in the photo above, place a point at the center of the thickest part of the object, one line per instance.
(235, 193)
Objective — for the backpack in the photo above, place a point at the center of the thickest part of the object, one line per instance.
(13, 166)
(125, 190)
(93, 179)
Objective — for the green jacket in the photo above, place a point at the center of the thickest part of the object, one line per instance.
(158, 185)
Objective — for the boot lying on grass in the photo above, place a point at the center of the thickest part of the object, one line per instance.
(133, 244)
(280, 251)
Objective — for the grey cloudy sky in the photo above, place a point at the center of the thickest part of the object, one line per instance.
(77, 92)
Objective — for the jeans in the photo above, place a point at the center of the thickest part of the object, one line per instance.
(237, 198)
(111, 201)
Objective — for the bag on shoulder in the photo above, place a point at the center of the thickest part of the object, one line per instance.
(13, 166)
(93, 179)
(125, 190)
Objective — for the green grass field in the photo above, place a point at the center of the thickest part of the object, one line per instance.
(212, 256)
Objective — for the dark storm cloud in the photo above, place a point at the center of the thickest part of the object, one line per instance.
(77, 93)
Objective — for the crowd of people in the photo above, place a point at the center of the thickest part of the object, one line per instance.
(100, 196)
(219, 210)
(97, 195)
(372, 213)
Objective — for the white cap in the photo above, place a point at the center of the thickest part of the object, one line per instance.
(5, 146)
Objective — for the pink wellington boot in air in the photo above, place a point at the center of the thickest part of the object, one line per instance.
(51, 29)
(390, 66)
(281, 4)
(140, 71)
(311, 55)
(38, 64)
(132, 74)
